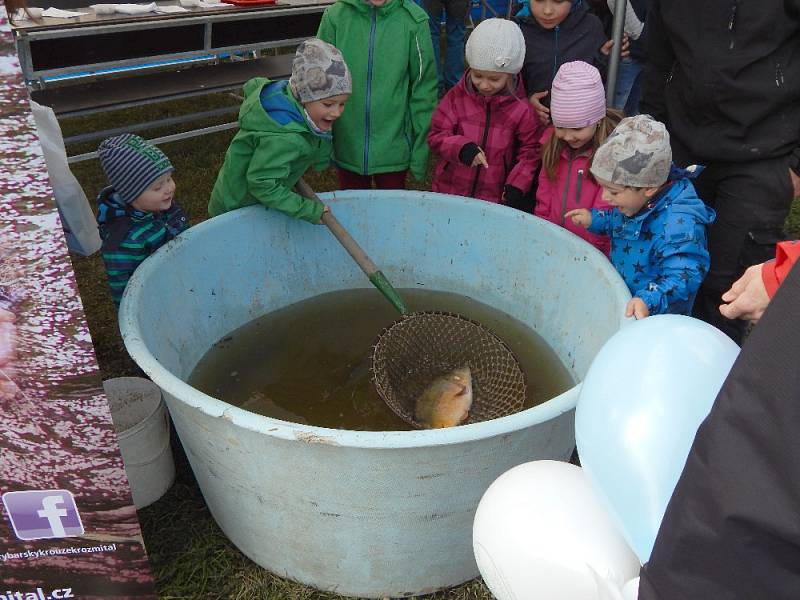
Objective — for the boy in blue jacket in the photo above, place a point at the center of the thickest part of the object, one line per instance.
(136, 213)
(658, 224)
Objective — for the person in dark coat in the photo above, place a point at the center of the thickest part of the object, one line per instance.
(731, 529)
(725, 78)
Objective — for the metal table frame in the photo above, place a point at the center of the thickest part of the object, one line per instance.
(56, 29)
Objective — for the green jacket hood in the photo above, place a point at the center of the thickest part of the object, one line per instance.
(254, 117)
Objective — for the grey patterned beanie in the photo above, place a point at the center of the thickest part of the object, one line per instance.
(131, 164)
(319, 72)
(636, 154)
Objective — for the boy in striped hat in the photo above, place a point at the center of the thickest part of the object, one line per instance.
(136, 212)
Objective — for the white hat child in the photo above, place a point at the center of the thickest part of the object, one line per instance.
(496, 45)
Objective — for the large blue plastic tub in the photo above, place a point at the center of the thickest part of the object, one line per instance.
(368, 514)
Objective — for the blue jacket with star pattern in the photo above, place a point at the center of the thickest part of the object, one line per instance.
(661, 252)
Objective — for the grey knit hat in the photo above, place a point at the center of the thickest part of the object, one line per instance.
(636, 154)
(319, 72)
(496, 45)
(131, 164)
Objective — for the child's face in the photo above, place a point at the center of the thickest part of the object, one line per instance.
(377, 3)
(576, 138)
(550, 13)
(489, 83)
(158, 196)
(324, 112)
(628, 200)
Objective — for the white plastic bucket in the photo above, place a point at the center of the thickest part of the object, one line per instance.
(142, 424)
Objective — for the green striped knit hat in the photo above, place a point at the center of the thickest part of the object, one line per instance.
(131, 164)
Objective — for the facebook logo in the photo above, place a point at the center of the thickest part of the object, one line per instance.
(41, 514)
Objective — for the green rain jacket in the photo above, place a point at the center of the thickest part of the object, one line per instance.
(272, 150)
(384, 127)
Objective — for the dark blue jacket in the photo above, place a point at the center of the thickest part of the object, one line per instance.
(661, 252)
(129, 236)
(578, 37)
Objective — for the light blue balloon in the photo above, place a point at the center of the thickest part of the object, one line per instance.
(643, 398)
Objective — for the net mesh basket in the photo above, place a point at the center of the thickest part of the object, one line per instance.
(417, 348)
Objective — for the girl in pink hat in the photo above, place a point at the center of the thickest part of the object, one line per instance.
(581, 122)
(484, 130)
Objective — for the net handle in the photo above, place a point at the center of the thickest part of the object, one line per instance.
(374, 274)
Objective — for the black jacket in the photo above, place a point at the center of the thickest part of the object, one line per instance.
(724, 75)
(578, 37)
(731, 530)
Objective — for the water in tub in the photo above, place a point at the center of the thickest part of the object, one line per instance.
(309, 362)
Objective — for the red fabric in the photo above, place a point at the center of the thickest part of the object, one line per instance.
(552, 203)
(512, 141)
(383, 181)
(774, 272)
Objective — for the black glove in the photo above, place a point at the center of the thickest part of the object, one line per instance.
(512, 196)
(468, 153)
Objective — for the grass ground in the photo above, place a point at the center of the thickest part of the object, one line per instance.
(190, 556)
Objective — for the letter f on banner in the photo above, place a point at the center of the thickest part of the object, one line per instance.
(53, 514)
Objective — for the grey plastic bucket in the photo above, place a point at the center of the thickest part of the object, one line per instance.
(142, 424)
(363, 513)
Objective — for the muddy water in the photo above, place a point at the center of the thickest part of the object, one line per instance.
(309, 362)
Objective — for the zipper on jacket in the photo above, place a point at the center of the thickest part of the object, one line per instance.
(369, 86)
(778, 75)
(483, 148)
(732, 23)
(555, 54)
(578, 188)
(566, 189)
(671, 71)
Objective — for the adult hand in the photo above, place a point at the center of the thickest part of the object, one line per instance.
(480, 160)
(541, 110)
(747, 299)
(795, 182)
(637, 308)
(582, 217)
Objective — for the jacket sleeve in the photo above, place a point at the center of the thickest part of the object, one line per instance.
(775, 271)
(442, 136)
(424, 85)
(601, 222)
(268, 180)
(529, 151)
(660, 60)
(682, 262)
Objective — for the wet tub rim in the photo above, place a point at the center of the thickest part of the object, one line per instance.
(214, 407)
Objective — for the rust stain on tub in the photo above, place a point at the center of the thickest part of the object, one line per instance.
(312, 438)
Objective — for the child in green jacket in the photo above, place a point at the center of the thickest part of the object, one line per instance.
(387, 45)
(284, 128)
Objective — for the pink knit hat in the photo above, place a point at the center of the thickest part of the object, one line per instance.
(577, 98)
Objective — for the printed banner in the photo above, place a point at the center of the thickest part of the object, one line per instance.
(68, 528)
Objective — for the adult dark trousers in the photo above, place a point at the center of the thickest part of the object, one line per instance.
(752, 201)
(730, 531)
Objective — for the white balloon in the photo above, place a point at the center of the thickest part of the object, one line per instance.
(630, 590)
(539, 532)
(643, 398)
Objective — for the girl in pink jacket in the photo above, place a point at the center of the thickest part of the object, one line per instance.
(484, 129)
(581, 123)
